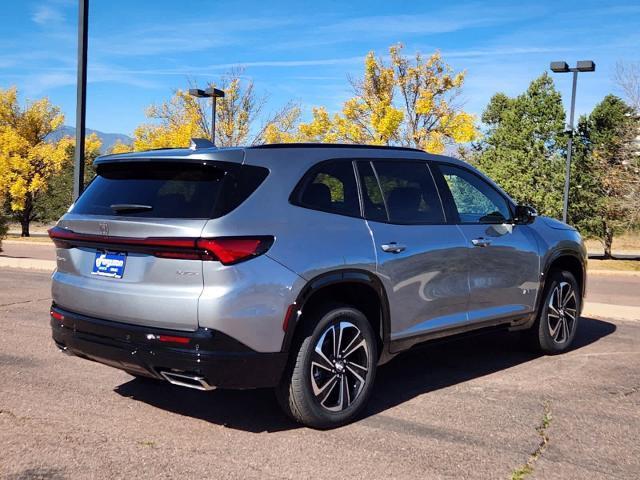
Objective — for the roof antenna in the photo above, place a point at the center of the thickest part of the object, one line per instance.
(214, 94)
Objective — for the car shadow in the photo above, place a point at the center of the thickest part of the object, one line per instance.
(419, 371)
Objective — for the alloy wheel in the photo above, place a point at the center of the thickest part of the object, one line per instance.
(562, 312)
(339, 366)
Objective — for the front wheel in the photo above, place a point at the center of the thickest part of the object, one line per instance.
(331, 374)
(557, 322)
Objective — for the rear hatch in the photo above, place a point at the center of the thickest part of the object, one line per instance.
(129, 250)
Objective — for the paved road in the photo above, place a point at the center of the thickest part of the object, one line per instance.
(465, 409)
(18, 249)
(615, 290)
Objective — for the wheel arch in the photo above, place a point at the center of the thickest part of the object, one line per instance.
(570, 261)
(350, 286)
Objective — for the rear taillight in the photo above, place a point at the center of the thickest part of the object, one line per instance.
(56, 315)
(226, 250)
(234, 250)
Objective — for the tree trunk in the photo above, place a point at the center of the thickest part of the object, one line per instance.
(608, 241)
(25, 216)
(24, 222)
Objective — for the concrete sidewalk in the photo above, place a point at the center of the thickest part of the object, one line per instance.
(27, 263)
(28, 255)
(605, 310)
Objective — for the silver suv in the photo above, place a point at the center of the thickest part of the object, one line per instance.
(301, 267)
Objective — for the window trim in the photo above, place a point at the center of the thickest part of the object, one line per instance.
(361, 191)
(425, 163)
(295, 198)
(442, 184)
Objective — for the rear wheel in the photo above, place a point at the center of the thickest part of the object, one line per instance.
(330, 375)
(557, 322)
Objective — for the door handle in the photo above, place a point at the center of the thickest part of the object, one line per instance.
(481, 242)
(393, 247)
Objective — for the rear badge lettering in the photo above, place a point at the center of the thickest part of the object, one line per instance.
(182, 273)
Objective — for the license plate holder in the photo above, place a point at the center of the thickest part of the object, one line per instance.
(109, 264)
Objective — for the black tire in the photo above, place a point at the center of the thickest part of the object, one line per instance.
(541, 336)
(296, 390)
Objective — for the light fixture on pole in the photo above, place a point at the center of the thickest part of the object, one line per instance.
(214, 94)
(563, 67)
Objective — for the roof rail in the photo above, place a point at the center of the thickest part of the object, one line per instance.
(332, 145)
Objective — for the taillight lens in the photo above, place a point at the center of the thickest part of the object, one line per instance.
(234, 250)
(227, 250)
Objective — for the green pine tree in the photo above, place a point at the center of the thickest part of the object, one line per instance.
(524, 145)
(610, 164)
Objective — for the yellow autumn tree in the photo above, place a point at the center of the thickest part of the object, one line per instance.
(406, 101)
(27, 159)
(59, 193)
(120, 147)
(183, 117)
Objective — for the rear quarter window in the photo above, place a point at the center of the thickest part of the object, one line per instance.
(169, 190)
(329, 187)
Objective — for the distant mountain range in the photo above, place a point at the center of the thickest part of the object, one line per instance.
(108, 139)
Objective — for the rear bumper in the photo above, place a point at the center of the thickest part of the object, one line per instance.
(220, 360)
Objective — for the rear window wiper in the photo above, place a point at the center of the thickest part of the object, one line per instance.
(129, 207)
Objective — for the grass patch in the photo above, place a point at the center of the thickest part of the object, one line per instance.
(621, 265)
(14, 237)
(629, 242)
(526, 469)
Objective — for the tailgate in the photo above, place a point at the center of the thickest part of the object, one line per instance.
(124, 284)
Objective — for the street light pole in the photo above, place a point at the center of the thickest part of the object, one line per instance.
(81, 99)
(214, 94)
(567, 173)
(214, 102)
(563, 67)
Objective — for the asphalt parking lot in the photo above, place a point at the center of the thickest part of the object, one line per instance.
(474, 408)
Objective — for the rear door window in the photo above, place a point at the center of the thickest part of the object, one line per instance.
(409, 192)
(329, 187)
(168, 190)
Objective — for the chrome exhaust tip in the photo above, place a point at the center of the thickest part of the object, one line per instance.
(187, 380)
(63, 349)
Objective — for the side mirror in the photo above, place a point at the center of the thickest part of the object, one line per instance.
(525, 214)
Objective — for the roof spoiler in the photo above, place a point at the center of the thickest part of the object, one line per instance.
(198, 143)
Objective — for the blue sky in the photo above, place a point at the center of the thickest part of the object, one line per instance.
(139, 51)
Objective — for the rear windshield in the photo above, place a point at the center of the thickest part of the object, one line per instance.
(166, 190)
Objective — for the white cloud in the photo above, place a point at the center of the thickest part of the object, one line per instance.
(184, 37)
(36, 84)
(501, 51)
(46, 14)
